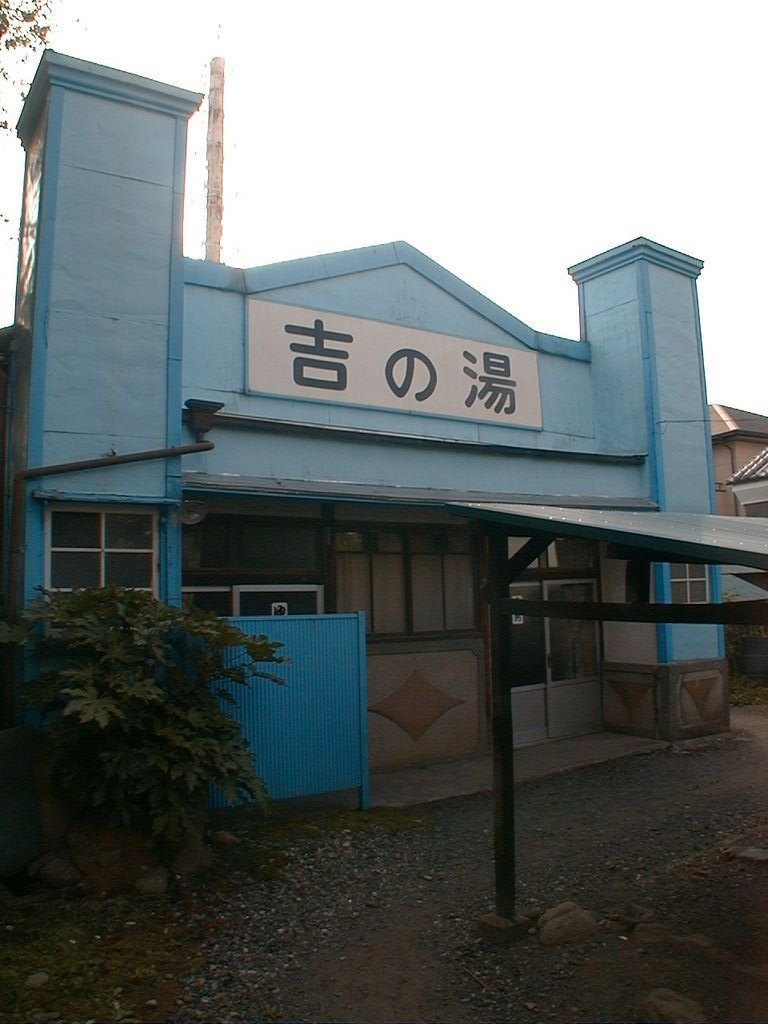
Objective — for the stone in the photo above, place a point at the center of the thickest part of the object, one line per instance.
(110, 858)
(222, 838)
(648, 933)
(553, 912)
(58, 872)
(501, 931)
(759, 971)
(570, 925)
(664, 1006)
(696, 945)
(37, 979)
(191, 856)
(154, 882)
(34, 866)
(752, 853)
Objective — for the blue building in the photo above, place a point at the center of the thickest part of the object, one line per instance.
(359, 430)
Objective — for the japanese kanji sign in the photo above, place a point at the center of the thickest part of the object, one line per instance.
(302, 353)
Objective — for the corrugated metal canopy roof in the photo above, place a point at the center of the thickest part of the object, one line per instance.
(663, 536)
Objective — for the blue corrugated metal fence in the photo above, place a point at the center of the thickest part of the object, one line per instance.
(309, 735)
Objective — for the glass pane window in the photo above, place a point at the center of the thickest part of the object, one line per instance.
(132, 532)
(350, 540)
(571, 553)
(389, 543)
(388, 587)
(75, 530)
(353, 584)
(573, 642)
(408, 580)
(459, 592)
(689, 583)
(270, 546)
(427, 588)
(72, 569)
(97, 548)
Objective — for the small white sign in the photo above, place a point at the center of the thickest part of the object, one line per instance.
(302, 353)
(279, 608)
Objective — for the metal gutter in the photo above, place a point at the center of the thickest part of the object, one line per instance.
(420, 441)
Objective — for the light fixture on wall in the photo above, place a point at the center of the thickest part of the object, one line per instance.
(192, 512)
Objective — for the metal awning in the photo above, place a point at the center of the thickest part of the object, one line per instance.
(661, 536)
(651, 536)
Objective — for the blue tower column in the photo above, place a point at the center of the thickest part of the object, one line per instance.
(639, 311)
(100, 294)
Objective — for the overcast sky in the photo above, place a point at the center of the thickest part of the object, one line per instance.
(506, 140)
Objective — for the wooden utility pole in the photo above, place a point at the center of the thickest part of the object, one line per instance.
(215, 157)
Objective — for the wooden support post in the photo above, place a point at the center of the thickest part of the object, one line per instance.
(504, 570)
(503, 793)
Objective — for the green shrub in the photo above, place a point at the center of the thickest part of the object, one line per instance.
(130, 689)
(743, 692)
(734, 637)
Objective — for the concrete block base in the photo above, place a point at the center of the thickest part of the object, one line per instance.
(676, 701)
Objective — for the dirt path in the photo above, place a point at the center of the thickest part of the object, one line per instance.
(384, 972)
(643, 840)
(372, 918)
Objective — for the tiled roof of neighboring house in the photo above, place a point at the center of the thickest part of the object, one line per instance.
(727, 420)
(736, 588)
(755, 469)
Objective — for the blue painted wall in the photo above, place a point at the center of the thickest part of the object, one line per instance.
(405, 288)
(106, 332)
(640, 313)
(124, 330)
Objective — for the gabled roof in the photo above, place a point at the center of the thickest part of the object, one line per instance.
(755, 469)
(254, 280)
(729, 422)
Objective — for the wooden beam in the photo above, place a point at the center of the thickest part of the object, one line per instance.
(501, 570)
(732, 612)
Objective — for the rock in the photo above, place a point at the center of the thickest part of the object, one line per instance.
(501, 931)
(37, 979)
(222, 838)
(110, 858)
(648, 933)
(561, 908)
(571, 924)
(154, 882)
(696, 945)
(58, 871)
(759, 971)
(751, 853)
(664, 1006)
(191, 856)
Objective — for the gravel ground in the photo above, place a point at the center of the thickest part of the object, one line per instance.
(378, 924)
(353, 917)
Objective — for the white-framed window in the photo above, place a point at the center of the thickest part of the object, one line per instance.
(100, 547)
(690, 583)
(258, 599)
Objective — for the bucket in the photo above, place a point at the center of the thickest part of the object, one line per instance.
(754, 658)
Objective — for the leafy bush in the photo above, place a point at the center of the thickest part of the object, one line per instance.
(734, 638)
(131, 691)
(743, 692)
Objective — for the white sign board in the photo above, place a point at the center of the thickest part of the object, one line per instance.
(301, 353)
